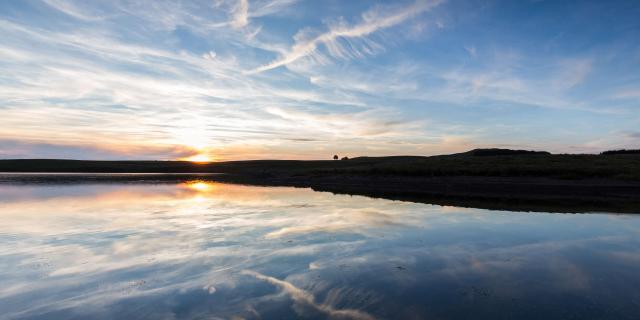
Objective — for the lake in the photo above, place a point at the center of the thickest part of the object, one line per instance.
(198, 249)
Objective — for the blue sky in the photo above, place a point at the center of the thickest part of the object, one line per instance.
(245, 79)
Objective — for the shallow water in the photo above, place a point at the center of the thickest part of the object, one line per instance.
(205, 250)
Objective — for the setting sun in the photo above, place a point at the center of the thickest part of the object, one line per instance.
(199, 158)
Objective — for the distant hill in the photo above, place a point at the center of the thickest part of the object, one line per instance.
(503, 152)
(484, 178)
(478, 162)
(622, 151)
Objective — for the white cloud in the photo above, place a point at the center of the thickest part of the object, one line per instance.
(242, 11)
(372, 21)
(80, 84)
(71, 9)
(471, 50)
(240, 14)
(572, 72)
(629, 93)
(270, 7)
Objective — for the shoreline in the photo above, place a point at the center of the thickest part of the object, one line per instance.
(522, 182)
(529, 194)
(496, 193)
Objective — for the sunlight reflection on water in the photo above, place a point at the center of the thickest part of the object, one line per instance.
(205, 249)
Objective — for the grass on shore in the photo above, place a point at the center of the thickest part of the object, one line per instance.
(473, 163)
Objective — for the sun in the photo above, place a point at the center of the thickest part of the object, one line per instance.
(199, 158)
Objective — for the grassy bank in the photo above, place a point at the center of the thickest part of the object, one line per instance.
(485, 179)
(617, 166)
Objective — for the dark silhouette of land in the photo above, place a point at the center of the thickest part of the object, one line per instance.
(623, 151)
(483, 178)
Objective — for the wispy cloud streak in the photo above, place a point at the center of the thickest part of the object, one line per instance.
(240, 14)
(372, 22)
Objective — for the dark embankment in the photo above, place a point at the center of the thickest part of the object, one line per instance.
(486, 178)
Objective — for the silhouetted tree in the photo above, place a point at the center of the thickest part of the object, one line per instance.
(335, 157)
(345, 158)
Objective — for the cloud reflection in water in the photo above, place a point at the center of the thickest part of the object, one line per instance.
(135, 251)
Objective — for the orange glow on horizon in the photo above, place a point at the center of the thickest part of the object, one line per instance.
(200, 186)
(199, 158)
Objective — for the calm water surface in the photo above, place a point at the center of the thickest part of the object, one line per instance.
(203, 250)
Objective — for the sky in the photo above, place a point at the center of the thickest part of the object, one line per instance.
(266, 79)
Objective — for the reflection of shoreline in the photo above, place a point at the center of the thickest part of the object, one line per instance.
(134, 190)
(101, 178)
(213, 199)
(494, 193)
